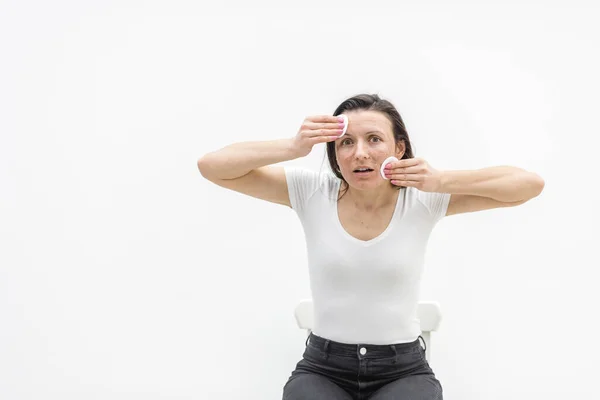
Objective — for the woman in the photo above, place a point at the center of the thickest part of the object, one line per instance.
(366, 238)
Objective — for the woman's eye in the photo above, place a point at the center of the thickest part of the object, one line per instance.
(348, 141)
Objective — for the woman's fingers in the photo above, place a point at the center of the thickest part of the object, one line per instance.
(407, 178)
(323, 132)
(407, 170)
(402, 173)
(324, 139)
(405, 174)
(320, 132)
(320, 129)
(325, 119)
(317, 130)
(320, 125)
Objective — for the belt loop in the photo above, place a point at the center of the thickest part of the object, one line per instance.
(395, 353)
(307, 339)
(424, 344)
(325, 347)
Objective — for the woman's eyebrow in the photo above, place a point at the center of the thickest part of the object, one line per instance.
(364, 134)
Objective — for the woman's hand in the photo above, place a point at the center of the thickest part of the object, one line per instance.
(317, 129)
(414, 172)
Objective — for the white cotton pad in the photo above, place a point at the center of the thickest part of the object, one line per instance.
(345, 124)
(383, 164)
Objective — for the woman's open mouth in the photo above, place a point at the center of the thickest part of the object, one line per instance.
(363, 171)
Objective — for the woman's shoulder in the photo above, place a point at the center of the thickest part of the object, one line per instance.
(305, 182)
(310, 175)
(434, 202)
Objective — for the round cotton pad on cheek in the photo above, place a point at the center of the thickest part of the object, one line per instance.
(345, 124)
(383, 164)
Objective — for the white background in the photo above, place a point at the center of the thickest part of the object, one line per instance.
(126, 275)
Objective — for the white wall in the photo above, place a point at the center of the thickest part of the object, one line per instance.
(125, 275)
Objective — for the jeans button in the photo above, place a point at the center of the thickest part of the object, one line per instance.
(363, 351)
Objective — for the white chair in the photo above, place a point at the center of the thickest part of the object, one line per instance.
(429, 313)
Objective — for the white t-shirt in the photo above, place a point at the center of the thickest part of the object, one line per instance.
(363, 291)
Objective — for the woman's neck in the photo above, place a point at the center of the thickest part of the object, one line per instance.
(372, 199)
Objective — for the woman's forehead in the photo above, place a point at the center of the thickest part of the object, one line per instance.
(368, 116)
(364, 122)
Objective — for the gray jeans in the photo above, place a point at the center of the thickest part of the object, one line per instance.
(337, 371)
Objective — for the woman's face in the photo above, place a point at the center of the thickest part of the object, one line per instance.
(368, 141)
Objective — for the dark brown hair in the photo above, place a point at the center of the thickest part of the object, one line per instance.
(371, 102)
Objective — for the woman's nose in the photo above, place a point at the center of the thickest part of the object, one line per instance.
(361, 149)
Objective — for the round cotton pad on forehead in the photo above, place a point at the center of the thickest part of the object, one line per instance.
(384, 163)
(345, 124)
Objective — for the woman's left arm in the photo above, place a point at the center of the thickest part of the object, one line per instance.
(488, 188)
(504, 183)
(471, 190)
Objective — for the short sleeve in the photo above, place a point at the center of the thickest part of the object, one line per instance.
(436, 203)
(302, 184)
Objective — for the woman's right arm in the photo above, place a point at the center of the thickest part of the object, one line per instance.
(246, 167)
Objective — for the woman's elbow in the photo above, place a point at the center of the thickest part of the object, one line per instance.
(535, 184)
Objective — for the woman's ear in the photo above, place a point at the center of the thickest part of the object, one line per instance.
(400, 149)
